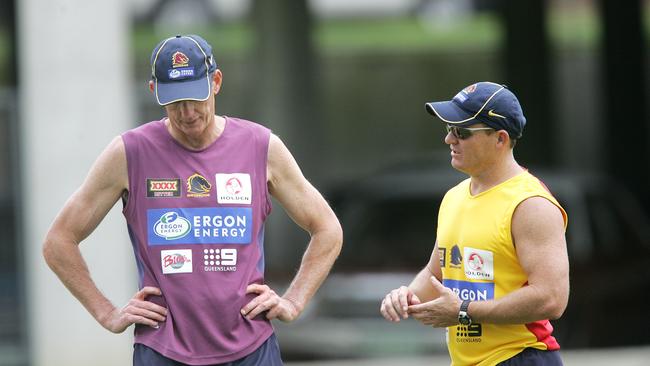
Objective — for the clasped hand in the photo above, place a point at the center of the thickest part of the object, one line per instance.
(440, 312)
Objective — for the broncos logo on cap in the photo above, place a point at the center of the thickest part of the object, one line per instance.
(470, 89)
(198, 185)
(179, 59)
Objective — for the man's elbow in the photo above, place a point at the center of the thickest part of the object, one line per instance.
(558, 305)
(52, 249)
(48, 250)
(337, 237)
(556, 313)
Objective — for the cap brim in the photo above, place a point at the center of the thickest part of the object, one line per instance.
(167, 93)
(450, 112)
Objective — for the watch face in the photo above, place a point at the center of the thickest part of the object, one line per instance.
(464, 319)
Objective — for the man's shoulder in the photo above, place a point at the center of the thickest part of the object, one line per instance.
(461, 186)
(144, 129)
(247, 129)
(456, 192)
(146, 133)
(245, 123)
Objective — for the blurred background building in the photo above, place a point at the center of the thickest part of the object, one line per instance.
(343, 83)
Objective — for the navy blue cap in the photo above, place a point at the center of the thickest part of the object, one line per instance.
(181, 68)
(484, 102)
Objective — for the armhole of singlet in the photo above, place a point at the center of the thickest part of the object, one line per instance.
(127, 205)
(267, 194)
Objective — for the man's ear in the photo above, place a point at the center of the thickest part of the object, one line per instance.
(502, 137)
(151, 85)
(217, 80)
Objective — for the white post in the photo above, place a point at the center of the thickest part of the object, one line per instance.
(74, 98)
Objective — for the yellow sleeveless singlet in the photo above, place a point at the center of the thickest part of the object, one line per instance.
(479, 262)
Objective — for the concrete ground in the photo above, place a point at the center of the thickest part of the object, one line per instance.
(633, 356)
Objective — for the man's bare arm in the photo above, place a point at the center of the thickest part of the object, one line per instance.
(84, 210)
(305, 205)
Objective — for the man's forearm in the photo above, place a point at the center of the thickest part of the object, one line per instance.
(421, 285)
(67, 263)
(324, 247)
(525, 305)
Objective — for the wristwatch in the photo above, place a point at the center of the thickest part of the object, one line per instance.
(463, 316)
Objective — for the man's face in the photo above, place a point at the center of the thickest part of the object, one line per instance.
(474, 153)
(191, 118)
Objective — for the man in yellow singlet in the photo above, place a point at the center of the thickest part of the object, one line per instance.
(499, 269)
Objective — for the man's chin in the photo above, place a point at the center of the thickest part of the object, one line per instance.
(458, 166)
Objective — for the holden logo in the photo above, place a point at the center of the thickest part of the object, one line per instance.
(475, 262)
(233, 186)
(172, 226)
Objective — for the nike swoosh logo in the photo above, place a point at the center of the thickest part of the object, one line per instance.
(492, 114)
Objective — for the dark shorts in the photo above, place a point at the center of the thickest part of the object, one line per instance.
(268, 354)
(534, 357)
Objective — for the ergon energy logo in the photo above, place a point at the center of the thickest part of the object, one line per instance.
(172, 226)
(200, 225)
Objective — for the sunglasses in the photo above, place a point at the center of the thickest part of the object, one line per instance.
(463, 133)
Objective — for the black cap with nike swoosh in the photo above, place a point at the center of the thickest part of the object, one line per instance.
(483, 102)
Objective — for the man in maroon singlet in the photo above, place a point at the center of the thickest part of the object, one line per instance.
(196, 189)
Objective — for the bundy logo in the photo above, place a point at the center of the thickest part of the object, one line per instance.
(234, 188)
(198, 186)
(176, 261)
(164, 187)
(171, 226)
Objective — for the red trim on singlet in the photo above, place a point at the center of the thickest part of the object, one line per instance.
(542, 330)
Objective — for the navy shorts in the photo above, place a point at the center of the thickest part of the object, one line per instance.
(268, 354)
(534, 357)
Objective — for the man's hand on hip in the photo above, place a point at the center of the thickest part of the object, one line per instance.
(269, 301)
(136, 311)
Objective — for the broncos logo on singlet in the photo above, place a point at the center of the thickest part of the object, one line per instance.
(456, 257)
(197, 184)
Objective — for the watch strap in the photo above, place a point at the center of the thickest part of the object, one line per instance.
(463, 316)
(465, 305)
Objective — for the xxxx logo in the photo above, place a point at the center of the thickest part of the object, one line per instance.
(163, 187)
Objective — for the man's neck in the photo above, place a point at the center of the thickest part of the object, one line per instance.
(495, 175)
(209, 135)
